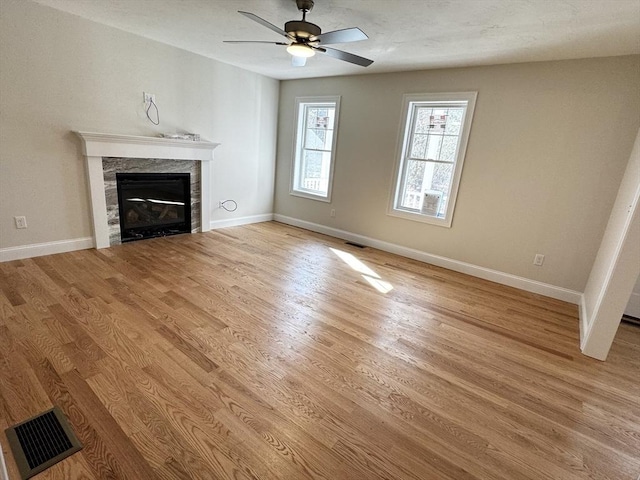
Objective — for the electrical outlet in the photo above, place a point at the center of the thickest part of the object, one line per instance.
(148, 97)
(538, 259)
(21, 222)
(333, 212)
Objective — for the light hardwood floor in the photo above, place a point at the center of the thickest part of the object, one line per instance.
(260, 352)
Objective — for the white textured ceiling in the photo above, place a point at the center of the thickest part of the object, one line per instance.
(403, 34)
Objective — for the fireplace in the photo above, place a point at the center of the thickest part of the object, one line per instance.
(107, 154)
(153, 205)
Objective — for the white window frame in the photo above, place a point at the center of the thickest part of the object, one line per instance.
(299, 122)
(404, 142)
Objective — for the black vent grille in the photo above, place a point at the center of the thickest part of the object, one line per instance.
(41, 442)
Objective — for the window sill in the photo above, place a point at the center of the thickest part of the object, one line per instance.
(310, 196)
(419, 217)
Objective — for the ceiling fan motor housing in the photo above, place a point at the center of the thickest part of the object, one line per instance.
(304, 5)
(302, 29)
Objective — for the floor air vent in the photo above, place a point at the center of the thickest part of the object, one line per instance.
(42, 441)
(355, 244)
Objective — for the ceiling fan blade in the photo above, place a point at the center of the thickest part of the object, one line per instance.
(341, 36)
(263, 22)
(254, 41)
(346, 56)
(298, 61)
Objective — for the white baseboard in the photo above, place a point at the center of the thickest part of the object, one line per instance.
(522, 283)
(234, 222)
(48, 248)
(533, 286)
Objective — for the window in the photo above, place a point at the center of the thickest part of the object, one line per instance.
(431, 156)
(315, 145)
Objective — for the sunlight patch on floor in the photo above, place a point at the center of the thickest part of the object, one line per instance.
(369, 275)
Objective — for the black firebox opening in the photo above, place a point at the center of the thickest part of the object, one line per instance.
(153, 204)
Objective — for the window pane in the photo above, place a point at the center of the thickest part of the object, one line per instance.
(429, 141)
(320, 117)
(419, 146)
(312, 164)
(413, 184)
(449, 148)
(441, 180)
(315, 138)
(438, 121)
(454, 121)
(426, 177)
(315, 171)
(423, 116)
(313, 116)
(319, 128)
(318, 139)
(433, 147)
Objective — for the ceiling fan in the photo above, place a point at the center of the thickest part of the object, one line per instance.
(304, 39)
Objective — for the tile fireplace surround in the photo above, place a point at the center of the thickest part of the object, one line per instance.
(99, 146)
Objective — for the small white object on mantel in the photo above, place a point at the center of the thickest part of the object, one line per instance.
(99, 145)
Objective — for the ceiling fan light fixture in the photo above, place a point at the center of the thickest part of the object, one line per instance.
(300, 50)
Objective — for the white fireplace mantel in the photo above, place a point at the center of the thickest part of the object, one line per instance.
(99, 145)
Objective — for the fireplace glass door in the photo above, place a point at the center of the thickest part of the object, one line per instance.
(153, 204)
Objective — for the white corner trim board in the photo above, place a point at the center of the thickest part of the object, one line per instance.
(48, 248)
(502, 278)
(584, 321)
(4, 475)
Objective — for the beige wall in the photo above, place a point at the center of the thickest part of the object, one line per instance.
(60, 73)
(547, 151)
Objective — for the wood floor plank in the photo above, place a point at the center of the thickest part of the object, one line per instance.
(133, 464)
(262, 352)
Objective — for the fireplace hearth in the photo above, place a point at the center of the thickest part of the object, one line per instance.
(153, 205)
